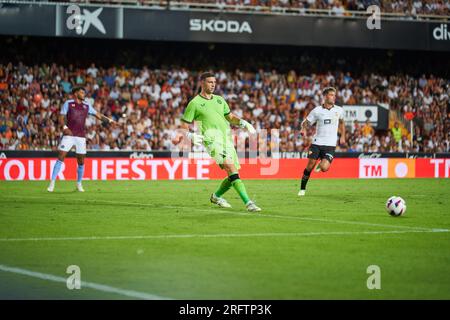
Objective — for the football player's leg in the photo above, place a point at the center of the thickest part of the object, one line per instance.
(81, 154)
(325, 165)
(56, 170)
(225, 185)
(233, 175)
(80, 169)
(327, 158)
(218, 154)
(58, 164)
(231, 166)
(65, 145)
(235, 180)
(309, 167)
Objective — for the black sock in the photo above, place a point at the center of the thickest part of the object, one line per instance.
(305, 179)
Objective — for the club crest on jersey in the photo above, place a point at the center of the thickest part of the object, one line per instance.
(219, 101)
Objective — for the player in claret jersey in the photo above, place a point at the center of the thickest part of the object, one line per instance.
(328, 118)
(72, 120)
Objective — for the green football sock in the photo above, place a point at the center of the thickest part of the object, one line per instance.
(224, 187)
(238, 185)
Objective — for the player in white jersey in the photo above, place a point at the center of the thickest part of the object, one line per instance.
(328, 118)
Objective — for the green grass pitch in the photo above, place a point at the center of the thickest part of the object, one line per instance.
(164, 239)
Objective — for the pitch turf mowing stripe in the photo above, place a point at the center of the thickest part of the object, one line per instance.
(225, 235)
(84, 284)
(227, 211)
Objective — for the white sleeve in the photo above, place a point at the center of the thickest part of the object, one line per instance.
(92, 110)
(341, 116)
(312, 116)
(65, 108)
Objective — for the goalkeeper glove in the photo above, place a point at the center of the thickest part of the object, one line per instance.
(246, 125)
(196, 139)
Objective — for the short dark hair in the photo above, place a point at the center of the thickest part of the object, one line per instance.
(78, 88)
(205, 75)
(328, 89)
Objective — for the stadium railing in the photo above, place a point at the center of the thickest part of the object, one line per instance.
(247, 9)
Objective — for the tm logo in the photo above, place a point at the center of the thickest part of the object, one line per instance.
(82, 22)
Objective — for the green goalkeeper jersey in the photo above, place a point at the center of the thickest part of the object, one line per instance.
(210, 113)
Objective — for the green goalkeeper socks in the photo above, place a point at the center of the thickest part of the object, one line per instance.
(238, 185)
(224, 187)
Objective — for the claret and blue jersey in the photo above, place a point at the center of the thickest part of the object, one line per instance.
(76, 116)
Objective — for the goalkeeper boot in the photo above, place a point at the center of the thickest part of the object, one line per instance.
(301, 193)
(221, 202)
(252, 207)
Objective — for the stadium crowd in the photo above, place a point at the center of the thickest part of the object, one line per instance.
(336, 7)
(339, 7)
(147, 104)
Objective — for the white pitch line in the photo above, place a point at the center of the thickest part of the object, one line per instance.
(224, 211)
(84, 284)
(222, 235)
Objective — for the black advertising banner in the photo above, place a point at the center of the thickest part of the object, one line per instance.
(91, 22)
(30, 20)
(283, 30)
(142, 23)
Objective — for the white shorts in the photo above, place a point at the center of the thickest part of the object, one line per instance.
(67, 142)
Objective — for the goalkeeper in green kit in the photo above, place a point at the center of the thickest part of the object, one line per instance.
(215, 117)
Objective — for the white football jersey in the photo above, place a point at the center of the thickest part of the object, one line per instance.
(327, 121)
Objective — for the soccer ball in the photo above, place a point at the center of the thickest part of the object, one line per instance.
(395, 206)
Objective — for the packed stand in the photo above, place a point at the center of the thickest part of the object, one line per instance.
(339, 7)
(336, 7)
(148, 104)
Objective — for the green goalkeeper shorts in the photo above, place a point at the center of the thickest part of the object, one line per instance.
(223, 153)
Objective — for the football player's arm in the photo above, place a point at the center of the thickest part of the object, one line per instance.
(184, 129)
(186, 121)
(187, 133)
(342, 131)
(233, 119)
(307, 123)
(63, 120)
(104, 118)
(99, 115)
